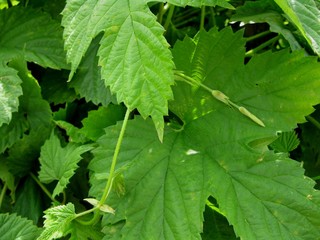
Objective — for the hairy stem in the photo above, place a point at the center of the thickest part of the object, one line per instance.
(108, 187)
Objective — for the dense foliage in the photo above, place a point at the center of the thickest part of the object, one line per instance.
(180, 119)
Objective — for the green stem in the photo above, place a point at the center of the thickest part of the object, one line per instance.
(213, 16)
(108, 187)
(251, 52)
(219, 96)
(169, 17)
(313, 121)
(3, 192)
(160, 13)
(203, 15)
(254, 37)
(214, 208)
(44, 189)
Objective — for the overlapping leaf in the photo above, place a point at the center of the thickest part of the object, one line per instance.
(34, 34)
(134, 56)
(305, 15)
(59, 163)
(15, 227)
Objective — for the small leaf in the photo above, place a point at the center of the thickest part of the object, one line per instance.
(57, 221)
(286, 142)
(15, 227)
(59, 163)
(104, 208)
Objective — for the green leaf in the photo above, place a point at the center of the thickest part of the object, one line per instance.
(266, 11)
(197, 3)
(34, 34)
(211, 57)
(29, 201)
(81, 232)
(10, 90)
(59, 163)
(134, 56)
(280, 82)
(87, 80)
(13, 131)
(57, 221)
(97, 120)
(305, 15)
(167, 184)
(15, 227)
(6, 176)
(164, 185)
(286, 142)
(24, 153)
(73, 132)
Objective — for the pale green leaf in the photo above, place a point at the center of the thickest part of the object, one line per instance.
(10, 90)
(199, 3)
(34, 34)
(16, 227)
(306, 16)
(134, 56)
(97, 120)
(57, 221)
(58, 163)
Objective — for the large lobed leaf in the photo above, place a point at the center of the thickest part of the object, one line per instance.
(134, 56)
(59, 163)
(167, 184)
